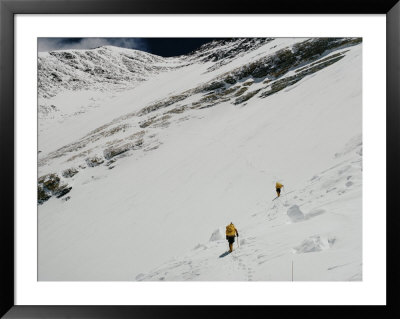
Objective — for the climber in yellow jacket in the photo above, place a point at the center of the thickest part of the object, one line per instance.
(278, 187)
(231, 231)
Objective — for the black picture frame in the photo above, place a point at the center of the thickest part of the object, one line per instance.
(9, 8)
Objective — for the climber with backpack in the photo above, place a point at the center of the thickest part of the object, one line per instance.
(231, 231)
(278, 187)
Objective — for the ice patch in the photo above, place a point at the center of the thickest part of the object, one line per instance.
(295, 214)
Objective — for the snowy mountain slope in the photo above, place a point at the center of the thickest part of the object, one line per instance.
(316, 227)
(90, 101)
(191, 82)
(154, 173)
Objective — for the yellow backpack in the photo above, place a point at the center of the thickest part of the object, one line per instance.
(230, 230)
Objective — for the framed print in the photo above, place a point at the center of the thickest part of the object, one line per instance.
(174, 159)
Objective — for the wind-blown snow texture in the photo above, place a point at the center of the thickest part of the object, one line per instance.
(144, 160)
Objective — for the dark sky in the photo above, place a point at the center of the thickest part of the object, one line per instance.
(159, 46)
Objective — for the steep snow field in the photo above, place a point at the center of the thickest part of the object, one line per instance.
(159, 211)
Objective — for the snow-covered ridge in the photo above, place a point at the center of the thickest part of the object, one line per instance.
(103, 68)
(225, 51)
